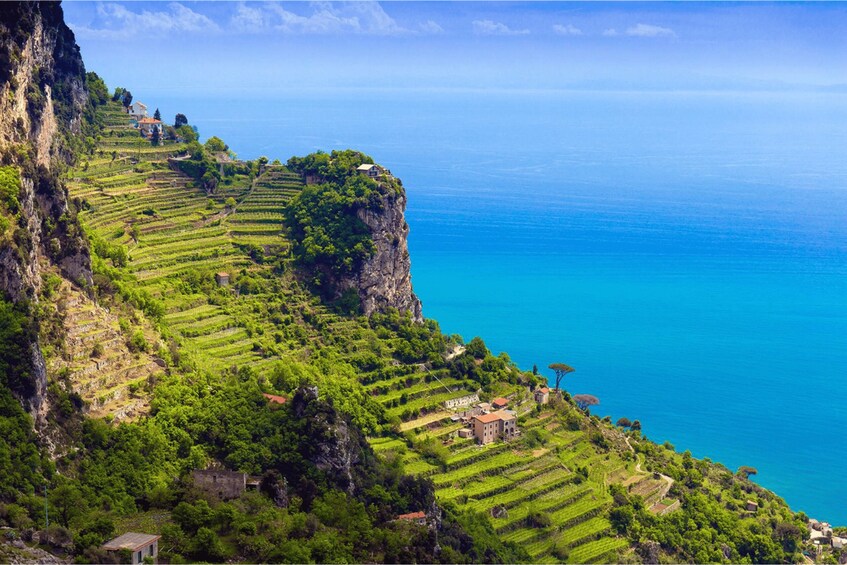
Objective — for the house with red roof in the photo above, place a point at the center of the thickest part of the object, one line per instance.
(489, 427)
(147, 125)
(542, 395)
(414, 517)
(275, 398)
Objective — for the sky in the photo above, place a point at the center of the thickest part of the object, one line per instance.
(262, 48)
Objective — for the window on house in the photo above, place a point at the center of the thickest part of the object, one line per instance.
(139, 559)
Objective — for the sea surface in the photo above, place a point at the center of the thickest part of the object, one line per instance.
(686, 252)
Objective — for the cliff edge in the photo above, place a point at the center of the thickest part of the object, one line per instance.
(350, 234)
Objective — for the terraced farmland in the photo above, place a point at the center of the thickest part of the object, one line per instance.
(551, 496)
(173, 231)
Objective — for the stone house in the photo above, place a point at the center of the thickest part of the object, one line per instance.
(752, 506)
(221, 483)
(140, 546)
(489, 427)
(222, 279)
(542, 395)
(465, 433)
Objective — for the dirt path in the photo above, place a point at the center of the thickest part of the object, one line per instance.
(668, 481)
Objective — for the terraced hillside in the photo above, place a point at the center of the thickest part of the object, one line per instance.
(160, 239)
(173, 231)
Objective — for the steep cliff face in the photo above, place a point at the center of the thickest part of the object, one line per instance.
(350, 232)
(385, 279)
(42, 99)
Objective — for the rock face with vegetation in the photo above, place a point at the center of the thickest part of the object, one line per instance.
(42, 101)
(351, 233)
(384, 280)
(214, 285)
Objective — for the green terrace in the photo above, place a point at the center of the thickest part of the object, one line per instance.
(550, 497)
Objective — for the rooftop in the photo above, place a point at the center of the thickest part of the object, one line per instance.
(149, 121)
(130, 540)
(365, 167)
(544, 390)
(494, 416)
(274, 398)
(412, 515)
(500, 401)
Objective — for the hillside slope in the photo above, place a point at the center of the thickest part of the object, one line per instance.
(210, 283)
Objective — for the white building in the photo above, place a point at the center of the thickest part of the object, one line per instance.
(137, 110)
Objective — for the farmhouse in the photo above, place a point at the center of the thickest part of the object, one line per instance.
(489, 427)
(137, 110)
(466, 400)
(222, 278)
(147, 125)
(465, 433)
(499, 403)
(370, 170)
(752, 506)
(220, 482)
(542, 395)
(141, 546)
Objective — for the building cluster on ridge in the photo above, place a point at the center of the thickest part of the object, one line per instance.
(137, 112)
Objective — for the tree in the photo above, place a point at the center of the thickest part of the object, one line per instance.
(745, 471)
(561, 370)
(155, 138)
(583, 401)
(180, 120)
(127, 98)
(216, 145)
(624, 423)
(68, 503)
(157, 115)
(636, 426)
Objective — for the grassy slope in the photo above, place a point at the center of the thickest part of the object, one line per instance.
(177, 237)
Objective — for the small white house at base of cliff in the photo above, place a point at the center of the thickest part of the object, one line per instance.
(139, 545)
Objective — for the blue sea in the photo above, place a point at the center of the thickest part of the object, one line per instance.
(686, 252)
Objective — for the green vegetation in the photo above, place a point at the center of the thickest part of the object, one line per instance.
(330, 240)
(193, 356)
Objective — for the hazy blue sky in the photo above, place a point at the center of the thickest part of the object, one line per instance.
(245, 47)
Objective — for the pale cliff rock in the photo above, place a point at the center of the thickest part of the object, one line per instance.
(385, 280)
(42, 95)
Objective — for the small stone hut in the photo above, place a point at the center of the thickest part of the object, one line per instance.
(140, 546)
(221, 483)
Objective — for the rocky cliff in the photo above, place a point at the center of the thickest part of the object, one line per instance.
(42, 99)
(385, 280)
(350, 231)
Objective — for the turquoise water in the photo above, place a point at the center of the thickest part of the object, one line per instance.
(687, 253)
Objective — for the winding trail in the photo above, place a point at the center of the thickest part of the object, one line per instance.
(668, 480)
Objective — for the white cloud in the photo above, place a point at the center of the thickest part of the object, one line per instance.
(611, 32)
(115, 21)
(325, 18)
(647, 30)
(431, 27)
(488, 27)
(569, 29)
